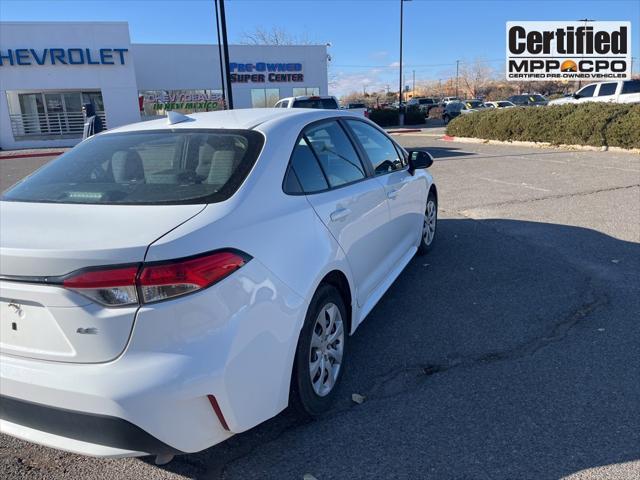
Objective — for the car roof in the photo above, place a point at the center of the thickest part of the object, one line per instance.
(241, 119)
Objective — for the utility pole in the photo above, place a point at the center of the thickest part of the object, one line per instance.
(457, 75)
(413, 91)
(585, 20)
(225, 48)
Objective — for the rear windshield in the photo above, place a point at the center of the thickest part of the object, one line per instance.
(425, 101)
(153, 167)
(327, 103)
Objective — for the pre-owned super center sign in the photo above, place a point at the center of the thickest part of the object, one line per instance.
(262, 72)
(568, 50)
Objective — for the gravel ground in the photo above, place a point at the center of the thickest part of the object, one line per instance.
(511, 351)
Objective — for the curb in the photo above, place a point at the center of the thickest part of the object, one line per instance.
(30, 155)
(519, 143)
(405, 130)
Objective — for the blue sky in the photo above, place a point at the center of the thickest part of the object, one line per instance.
(363, 33)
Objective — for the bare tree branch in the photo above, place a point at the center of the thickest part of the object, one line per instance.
(274, 36)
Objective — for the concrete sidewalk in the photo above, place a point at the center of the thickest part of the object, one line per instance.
(32, 152)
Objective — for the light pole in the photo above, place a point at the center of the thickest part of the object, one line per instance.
(225, 48)
(400, 105)
(222, 77)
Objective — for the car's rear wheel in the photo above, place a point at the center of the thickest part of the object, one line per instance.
(429, 225)
(320, 354)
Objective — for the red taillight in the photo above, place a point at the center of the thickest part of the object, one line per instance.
(108, 286)
(119, 286)
(116, 277)
(167, 280)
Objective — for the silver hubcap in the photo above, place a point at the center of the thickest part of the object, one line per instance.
(327, 347)
(429, 227)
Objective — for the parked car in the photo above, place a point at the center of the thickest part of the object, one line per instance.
(324, 102)
(424, 104)
(528, 100)
(358, 108)
(453, 109)
(621, 91)
(170, 283)
(499, 104)
(446, 100)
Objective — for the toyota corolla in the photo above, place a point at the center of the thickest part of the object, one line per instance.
(170, 283)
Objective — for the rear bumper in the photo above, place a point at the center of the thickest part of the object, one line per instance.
(85, 433)
(235, 341)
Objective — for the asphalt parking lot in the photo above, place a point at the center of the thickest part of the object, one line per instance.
(511, 351)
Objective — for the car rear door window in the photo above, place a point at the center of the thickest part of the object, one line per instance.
(607, 89)
(380, 150)
(337, 156)
(306, 169)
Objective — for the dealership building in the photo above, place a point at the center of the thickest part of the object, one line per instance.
(49, 69)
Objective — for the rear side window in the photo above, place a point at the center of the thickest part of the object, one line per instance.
(153, 167)
(607, 89)
(306, 170)
(338, 159)
(631, 86)
(323, 103)
(380, 150)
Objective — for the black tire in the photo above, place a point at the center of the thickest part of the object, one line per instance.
(302, 396)
(425, 247)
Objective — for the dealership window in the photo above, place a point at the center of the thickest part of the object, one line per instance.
(306, 91)
(264, 97)
(156, 103)
(51, 114)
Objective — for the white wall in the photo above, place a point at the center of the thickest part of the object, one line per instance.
(117, 82)
(176, 67)
(147, 67)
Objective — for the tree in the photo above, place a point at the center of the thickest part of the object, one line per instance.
(475, 76)
(274, 36)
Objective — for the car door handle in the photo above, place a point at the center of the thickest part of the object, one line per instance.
(339, 214)
(392, 193)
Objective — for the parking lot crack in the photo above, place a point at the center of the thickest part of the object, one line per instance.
(467, 212)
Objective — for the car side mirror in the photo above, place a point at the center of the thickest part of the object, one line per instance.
(576, 96)
(419, 159)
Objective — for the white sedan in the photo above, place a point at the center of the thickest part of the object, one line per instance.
(170, 283)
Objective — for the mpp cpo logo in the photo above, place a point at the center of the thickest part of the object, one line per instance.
(568, 50)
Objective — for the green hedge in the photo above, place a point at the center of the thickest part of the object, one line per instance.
(596, 124)
(390, 118)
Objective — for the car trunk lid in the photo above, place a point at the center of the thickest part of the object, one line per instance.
(39, 242)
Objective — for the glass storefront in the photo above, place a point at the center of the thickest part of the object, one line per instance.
(306, 91)
(264, 97)
(156, 103)
(51, 114)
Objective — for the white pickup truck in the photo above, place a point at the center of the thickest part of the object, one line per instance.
(324, 102)
(621, 91)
